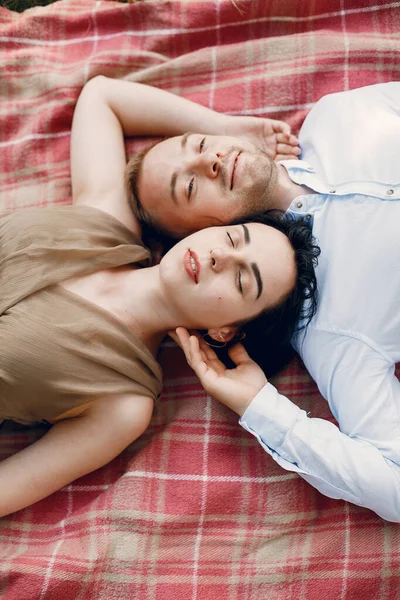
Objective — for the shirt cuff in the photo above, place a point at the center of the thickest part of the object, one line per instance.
(270, 416)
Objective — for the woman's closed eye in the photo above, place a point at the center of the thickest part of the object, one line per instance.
(201, 145)
(230, 239)
(239, 284)
(238, 274)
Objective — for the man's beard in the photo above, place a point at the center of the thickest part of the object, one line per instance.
(263, 195)
(271, 187)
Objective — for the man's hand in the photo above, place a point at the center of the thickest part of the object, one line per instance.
(273, 137)
(236, 387)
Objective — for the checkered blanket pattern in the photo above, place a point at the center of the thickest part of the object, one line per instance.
(194, 510)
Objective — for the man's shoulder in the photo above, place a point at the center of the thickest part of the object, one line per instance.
(374, 92)
(330, 107)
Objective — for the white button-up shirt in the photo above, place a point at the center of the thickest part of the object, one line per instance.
(351, 157)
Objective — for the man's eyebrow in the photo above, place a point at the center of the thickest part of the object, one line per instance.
(185, 138)
(173, 186)
(254, 267)
(174, 177)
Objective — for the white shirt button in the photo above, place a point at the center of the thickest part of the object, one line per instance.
(308, 217)
(389, 192)
(299, 204)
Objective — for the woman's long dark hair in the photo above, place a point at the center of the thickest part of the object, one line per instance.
(268, 336)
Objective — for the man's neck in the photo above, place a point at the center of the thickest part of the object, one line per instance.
(287, 190)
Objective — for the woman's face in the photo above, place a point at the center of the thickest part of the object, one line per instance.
(225, 275)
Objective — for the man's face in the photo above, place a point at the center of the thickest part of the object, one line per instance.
(193, 181)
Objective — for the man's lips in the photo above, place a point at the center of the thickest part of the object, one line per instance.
(192, 265)
(234, 168)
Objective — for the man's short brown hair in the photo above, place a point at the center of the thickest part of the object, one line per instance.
(131, 178)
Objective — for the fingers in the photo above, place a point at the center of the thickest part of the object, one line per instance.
(200, 357)
(286, 149)
(208, 350)
(280, 127)
(173, 336)
(196, 355)
(184, 340)
(239, 354)
(182, 337)
(198, 361)
(287, 138)
(190, 344)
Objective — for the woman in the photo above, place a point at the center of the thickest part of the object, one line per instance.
(81, 321)
(82, 316)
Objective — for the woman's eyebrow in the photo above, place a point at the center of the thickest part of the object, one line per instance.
(246, 234)
(254, 267)
(258, 279)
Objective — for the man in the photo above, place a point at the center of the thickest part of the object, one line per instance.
(348, 189)
(108, 109)
(348, 186)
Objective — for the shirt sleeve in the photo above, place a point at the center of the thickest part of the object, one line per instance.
(358, 464)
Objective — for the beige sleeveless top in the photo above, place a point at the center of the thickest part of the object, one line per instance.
(57, 350)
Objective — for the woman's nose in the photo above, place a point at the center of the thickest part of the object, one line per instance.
(221, 258)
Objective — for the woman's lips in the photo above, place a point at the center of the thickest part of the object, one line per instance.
(234, 169)
(192, 265)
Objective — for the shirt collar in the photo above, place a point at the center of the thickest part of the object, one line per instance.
(297, 164)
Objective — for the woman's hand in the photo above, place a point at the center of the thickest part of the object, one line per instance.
(236, 387)
(271, 136)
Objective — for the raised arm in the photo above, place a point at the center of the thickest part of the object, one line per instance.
(70, 449)
(109, 110)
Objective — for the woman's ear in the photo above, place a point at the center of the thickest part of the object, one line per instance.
(223, 334)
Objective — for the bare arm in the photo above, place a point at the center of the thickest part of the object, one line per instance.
(109, 110)
(70, 449)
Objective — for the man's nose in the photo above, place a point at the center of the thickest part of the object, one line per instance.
(207, 163)
(221, 258)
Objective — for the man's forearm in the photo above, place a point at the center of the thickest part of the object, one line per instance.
(145, 110)
(336, 464)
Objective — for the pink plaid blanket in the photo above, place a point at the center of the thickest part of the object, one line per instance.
(195, 509)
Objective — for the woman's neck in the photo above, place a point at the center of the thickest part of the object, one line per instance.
(146, 312)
